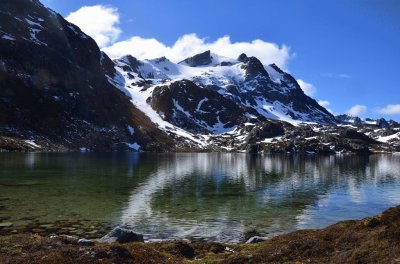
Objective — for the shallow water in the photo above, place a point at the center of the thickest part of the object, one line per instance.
(210, 196)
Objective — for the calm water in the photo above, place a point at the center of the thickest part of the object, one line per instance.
(211, 196)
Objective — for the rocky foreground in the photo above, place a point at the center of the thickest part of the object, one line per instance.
(370, 240)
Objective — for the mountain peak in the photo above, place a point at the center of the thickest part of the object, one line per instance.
(254, 67)
(276, 68)
(161, 59)
(242, 57)
(200, 59)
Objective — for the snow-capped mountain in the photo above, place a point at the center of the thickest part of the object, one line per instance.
(208, 93)
(381, 122)
(58, 91)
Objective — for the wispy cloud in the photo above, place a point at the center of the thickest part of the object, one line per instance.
(307, 88)
(190, 44)
(335, 75)
(357, 110)
(391, 109)
(326, 104)
(100, 22)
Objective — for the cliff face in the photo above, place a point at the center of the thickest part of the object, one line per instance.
(54, 86)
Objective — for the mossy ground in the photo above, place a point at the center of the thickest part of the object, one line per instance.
(371, 240)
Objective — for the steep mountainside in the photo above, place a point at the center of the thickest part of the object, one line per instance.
(54, 92)
(58, 91)
(259, 90)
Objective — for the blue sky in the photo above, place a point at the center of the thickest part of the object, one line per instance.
(349, 51)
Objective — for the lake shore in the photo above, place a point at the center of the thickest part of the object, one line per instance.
(370, 240)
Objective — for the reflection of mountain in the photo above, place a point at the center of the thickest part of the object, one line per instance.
(218, 196)
(68, 186)
(211, 195)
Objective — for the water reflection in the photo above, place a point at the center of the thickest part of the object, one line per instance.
(213, 196)
(219, 196)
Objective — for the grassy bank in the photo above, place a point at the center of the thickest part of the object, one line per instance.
(371, 240)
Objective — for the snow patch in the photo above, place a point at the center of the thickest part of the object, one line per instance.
(131, 130)
(388, 138)
(134, 146)
(32, 143)
(8, 37)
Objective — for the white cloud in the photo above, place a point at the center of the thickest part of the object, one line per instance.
(324, 103)
(357, 110)
(307, 88)
(190, 44)
(100, 22)
(391, 109)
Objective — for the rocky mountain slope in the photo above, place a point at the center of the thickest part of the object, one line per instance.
(58, 91)
(54, 93)
(241, 105)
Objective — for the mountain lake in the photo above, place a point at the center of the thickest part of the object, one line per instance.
(206, 196)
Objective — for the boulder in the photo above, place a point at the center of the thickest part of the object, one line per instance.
(121, 235)
(256, 239)
(85, 242)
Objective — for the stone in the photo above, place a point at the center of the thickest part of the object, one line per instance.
(68, 239)
(6, 224)
(38, 230)
(46, 226)
(256, 239)
(121, 235)
(85, 242)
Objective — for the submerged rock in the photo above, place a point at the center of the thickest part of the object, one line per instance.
(6, 224)
(121, 235)
(256, 239)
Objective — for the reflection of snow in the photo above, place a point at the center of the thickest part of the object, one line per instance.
(281, 192)
(370, 191)
(183, 165)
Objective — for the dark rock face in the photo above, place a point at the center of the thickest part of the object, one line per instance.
(242, 58)
(281, 137)
(53, 84)
(383, 123)
(254, 68)
(263, 130)
(121, 235)
(347, 119)
(393, 123)
(259, 88)
(132, 64)
(352, 134)
(196, 109)
(276, 68)
(198, 60)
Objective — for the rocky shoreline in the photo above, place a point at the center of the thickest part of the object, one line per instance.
(371, 240)
(262, 137)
